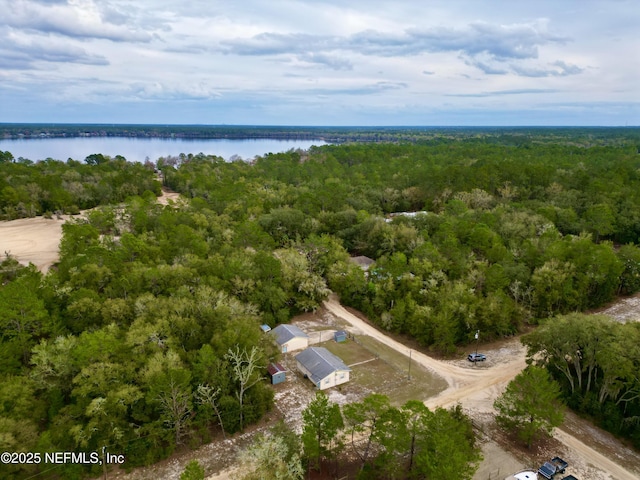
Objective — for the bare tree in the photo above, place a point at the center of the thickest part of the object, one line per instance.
(207, 395)
(175, 402)
(244, 367)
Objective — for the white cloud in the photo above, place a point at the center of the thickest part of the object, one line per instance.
(502, 42)
(555, 69)
(289, 61)
(76, 19)
(29, 52)
(494, 49)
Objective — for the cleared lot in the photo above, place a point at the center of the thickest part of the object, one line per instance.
(32, 240)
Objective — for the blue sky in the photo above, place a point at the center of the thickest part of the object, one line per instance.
(321, 62)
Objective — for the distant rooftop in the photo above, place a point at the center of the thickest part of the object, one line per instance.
(284, 333)
(362, 261)
(405, 214)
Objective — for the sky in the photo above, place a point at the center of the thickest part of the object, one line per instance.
(321, 62)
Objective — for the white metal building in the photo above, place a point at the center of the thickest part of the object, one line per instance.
(322, 367)
(290, 338)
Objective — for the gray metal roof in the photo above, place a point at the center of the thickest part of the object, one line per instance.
(284, 333)
(320, 362)
(362, 261)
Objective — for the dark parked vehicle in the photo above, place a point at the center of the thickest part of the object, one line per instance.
(549, 469)
(477, 357)
(569, 477)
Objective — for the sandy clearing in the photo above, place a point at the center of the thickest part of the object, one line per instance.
(32, 240)
(168, 195)
(37, 240)
(507, 462)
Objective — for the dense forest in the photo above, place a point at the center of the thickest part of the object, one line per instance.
(499, 236)
(585, 136)
(405, 442)
(596, 361)
(145, 336)
(51, 186)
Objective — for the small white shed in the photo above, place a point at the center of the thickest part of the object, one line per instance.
(290, 338)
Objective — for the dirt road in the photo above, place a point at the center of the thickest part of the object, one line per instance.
(476, 388)
(465, 383)
(168, 195)
(594, 460)
(36, 240)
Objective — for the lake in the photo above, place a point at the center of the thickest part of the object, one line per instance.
(139, 149)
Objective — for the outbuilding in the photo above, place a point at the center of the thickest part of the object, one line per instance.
(322, 367)
(290, 338)
(340, 336)
(277, 373)
(363, 262)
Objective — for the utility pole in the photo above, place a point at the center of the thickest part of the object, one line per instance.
(104, 461)
(477, 340)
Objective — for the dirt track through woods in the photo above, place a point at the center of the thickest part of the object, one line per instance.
(37, 240)
(168, 195)
(477, 387)
(463, 382)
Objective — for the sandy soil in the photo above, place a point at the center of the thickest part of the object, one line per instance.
(168, 195)
(36, 240)
(466, 382)
(476, 387)
(32, 240)
(623, 309)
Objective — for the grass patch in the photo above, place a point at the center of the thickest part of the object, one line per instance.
(388, 374)
(349, 352)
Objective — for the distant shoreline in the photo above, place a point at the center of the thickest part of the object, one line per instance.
(328, 134)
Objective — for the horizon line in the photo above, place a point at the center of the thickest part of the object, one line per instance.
(224, 125)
